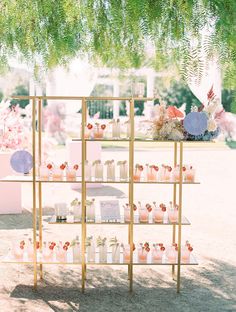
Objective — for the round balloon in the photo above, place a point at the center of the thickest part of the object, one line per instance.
(22, 161)
(195, 123)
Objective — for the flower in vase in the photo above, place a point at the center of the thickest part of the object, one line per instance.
(75, 202)
(88, 241)
(101, 241)
(114, 241)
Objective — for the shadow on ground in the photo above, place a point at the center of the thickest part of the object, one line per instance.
(16, 221)
(211, 287)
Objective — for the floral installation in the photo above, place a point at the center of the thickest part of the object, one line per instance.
(167, 123)
(14, 133)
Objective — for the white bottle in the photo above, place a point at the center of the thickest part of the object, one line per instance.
(90, 249)
(98, 170)
(90, 210)
(76, 250)
(77, 211)
(116, 129)
(88, 171)
(103, 254)
(116, 253)
(110, 170)
(123, 170)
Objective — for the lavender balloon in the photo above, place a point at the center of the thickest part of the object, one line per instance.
(22, 162)
(195, 123)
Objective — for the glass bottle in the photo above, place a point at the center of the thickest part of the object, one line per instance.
(98, 170)
(115, 246)
(90, 249)
(110, 170)
(88, 171)
(102, 249)
(76, 250)
(90, 210)
(123, 170)
(77, 209)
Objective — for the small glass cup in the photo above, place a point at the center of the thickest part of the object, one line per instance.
(126, 253)
(142, 255)
(44, 173)
(151, 172)
(173, 215)
(157, 254)
(176, 174)
(57, 174)
(47, 253)
(98, 133)
(158, 215)
(18, 251)
(61, 253)
(165, 173)
(185, 254)
(137, 174)
(172, 254)
(143, 214)
(189, 175)
(126, 213)
(70, 174)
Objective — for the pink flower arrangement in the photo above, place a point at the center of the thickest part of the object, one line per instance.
(12, 130)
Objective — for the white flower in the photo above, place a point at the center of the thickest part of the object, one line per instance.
(176, 135)
(212, 126)
(213, 106)
(194, 108)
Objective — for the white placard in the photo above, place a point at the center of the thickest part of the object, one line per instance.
(110, 210)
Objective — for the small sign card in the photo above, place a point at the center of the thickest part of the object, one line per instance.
(110, 210)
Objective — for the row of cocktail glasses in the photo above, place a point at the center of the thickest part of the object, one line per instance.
(120, 253)
(116, 171)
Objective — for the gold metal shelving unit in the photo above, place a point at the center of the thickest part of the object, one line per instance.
(37, 185)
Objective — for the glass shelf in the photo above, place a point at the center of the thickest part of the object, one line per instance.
(98, 221)
(69, 260)
(137, 140)
(29, 178)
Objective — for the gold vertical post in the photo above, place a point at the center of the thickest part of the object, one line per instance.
(85, 191)
(174, 203)
(34, 189)
(131, 192)
(40, 184)
(83, 199)
(180, 213)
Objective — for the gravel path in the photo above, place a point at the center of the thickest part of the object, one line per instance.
(211, 286)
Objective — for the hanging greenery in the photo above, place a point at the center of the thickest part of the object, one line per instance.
(117, 33)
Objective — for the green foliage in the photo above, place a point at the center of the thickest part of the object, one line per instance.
(116, 32)
(20, 90)
(229, 100)
(178, 94)
(1, 95)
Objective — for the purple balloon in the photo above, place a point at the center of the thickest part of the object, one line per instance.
(195, 123)
(21, 161)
